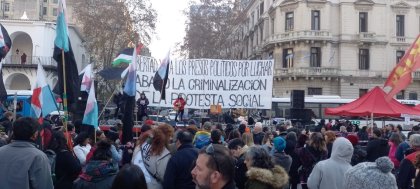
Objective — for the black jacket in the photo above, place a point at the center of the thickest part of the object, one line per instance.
(240, 172)
(67, 169)
(178, 170)
(407, 172)
(377, 147)
(258, 138)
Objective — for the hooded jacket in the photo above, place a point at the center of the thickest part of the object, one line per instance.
(266, 179)
(329, 174)
(377, 148)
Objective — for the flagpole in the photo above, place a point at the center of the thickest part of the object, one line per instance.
(109, 99)
(64, 95)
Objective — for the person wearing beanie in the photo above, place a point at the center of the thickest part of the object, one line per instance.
(359, 154)
(329, 174)
(280, 157)
(370, 175)
(407, 169)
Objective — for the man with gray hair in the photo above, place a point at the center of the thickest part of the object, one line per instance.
(258, 134)
(407, 169)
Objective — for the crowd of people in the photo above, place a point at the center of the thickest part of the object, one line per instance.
(216, 156)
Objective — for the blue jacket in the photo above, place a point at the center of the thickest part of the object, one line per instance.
(178, 170)
(399, 154)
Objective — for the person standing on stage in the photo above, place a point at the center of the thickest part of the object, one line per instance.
(179, 106)
(142, 103)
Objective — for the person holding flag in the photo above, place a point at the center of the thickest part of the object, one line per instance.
(129, 93)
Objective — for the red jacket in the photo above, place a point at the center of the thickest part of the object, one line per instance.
(182, 103)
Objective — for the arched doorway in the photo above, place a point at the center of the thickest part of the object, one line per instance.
(18, 81)
(22, 44)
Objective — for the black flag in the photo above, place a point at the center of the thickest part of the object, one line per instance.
(161, 77)
(4, 49)
(72, 75)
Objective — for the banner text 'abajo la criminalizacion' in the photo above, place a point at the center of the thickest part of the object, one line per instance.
(205, 82)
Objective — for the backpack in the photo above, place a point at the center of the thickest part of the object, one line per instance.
(51, 155)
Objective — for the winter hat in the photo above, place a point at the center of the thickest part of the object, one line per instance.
(191, 122)
(371, 175)
(353, 139)
(279, 144)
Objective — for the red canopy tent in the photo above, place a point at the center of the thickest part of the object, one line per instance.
(373, 104)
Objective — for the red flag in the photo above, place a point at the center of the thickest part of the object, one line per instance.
(400, 76)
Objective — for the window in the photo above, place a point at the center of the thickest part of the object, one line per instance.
(55, 1)
(261, 34)
(289, 21)
(261, 8)
(400, 25)
(314, 91)
(44, 11)
(54, 11)
(6, 7)
(363, 21)
(363, 59)
(400, 95)
(315, 57)
(287, 58)
(362, 92)
(412, 96)
(45, 1)
(400, 54)
(316, 21)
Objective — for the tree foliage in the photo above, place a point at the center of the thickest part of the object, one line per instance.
(108, 26)
(210, 22)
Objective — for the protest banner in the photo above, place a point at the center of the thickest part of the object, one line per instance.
(206, 82)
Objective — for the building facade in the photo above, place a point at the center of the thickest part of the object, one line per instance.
(33, 9)
(33, 43)
(329, 47)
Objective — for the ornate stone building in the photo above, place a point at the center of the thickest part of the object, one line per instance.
(329, 47)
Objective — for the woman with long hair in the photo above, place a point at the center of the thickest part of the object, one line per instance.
(394, 141)
(67, 166)
(153, 154)
(291, 142)
(267, 142)
(82, 147)
(248, 139)
(262, 173)
(309, 155)
(329, 139)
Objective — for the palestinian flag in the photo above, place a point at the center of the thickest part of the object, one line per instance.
(125, 56)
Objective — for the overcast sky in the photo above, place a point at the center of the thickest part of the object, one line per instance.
(170, 26)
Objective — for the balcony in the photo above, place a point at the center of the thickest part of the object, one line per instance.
(300, 36)
(364, 73)
(332, 72)
(401, 40)
(367, 37)
(416, 75)
(306, 72)
(16, 61)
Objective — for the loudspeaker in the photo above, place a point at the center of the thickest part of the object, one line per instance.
(301, 114)
(297, 99)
